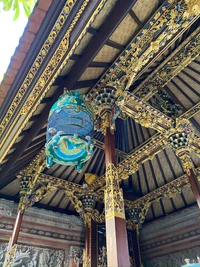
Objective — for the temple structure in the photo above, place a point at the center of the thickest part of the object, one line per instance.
(118, 185)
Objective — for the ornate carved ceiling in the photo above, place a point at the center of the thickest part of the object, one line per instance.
(154, 54)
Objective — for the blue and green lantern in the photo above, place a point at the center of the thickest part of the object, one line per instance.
(70, 131)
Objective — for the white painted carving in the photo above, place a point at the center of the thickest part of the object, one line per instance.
(174, 259)
(6, 207)
(33, 257)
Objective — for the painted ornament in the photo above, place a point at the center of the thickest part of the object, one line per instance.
(70, 131)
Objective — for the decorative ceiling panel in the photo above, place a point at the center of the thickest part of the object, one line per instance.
(106, 54)
(91, 73)
(108, 7)
(147, 8)
(125, 31)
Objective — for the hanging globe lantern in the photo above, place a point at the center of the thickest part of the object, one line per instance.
(70, 131)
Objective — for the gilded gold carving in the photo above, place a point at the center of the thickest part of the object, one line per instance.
(106, 119)
(145, 114)
(178, 60)
(193, 8)
(97, 216)
(28, 179)
(130, 168)
(75, 200)
(38, 62)
(102, 257)
(48, 74)
(172, 15)
(10, 256)
(86, 260)
(114, 203)
(186, 161)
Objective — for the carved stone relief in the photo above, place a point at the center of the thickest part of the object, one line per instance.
(27, 256)
(6, 207)
(175, 259)
(73, 252)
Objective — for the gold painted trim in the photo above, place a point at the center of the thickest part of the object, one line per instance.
(37, 63)
(35, 97)
(175, 63)
(130, 62)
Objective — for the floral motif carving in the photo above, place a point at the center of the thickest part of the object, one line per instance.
(114, 204)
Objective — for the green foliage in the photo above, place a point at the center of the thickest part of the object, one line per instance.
(17, 5)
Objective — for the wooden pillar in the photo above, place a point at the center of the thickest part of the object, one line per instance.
(16, 230)
(90, 253)
(72, 263)
(136, 246)
(87, 251)
(195, 186)
(12, 246)
(189, 169)
(116, 232)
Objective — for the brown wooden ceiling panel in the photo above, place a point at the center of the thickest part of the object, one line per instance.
(47, 198)
(106, 54)
(147, 7)
(151, 179)
(143, 181)
(84, 42)
(91, 73)
(167, 205)
(149, 216)
(196, 159)
(56, 198)
(12, 189)
(105, 12)
(64, 202)
(125, 31)
(157, 209)
(178, 201)
(189, 196)
(135, 182)
(67, 67)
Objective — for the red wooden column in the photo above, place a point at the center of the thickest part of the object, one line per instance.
(16, 230)
(116, 232)
(195, 186)
(87, 252)
(72, 263)
(12, 246)
(189, 169)
(136, 245)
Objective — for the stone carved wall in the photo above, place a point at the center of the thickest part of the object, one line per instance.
(73, 252)
(173, 259)
(6, 207)
(34, 257)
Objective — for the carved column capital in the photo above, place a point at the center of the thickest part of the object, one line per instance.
(105, 108)
(136, 216)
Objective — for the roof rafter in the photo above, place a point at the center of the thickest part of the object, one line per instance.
(170, 67)
(148, 150)
(154, 39)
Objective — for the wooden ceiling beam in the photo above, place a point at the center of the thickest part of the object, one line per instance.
(95, 64)
(115, 45)
(163, 191)
(75, 57)
(156, 80)
(106, 30)
(151, 147)
(136, 19)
